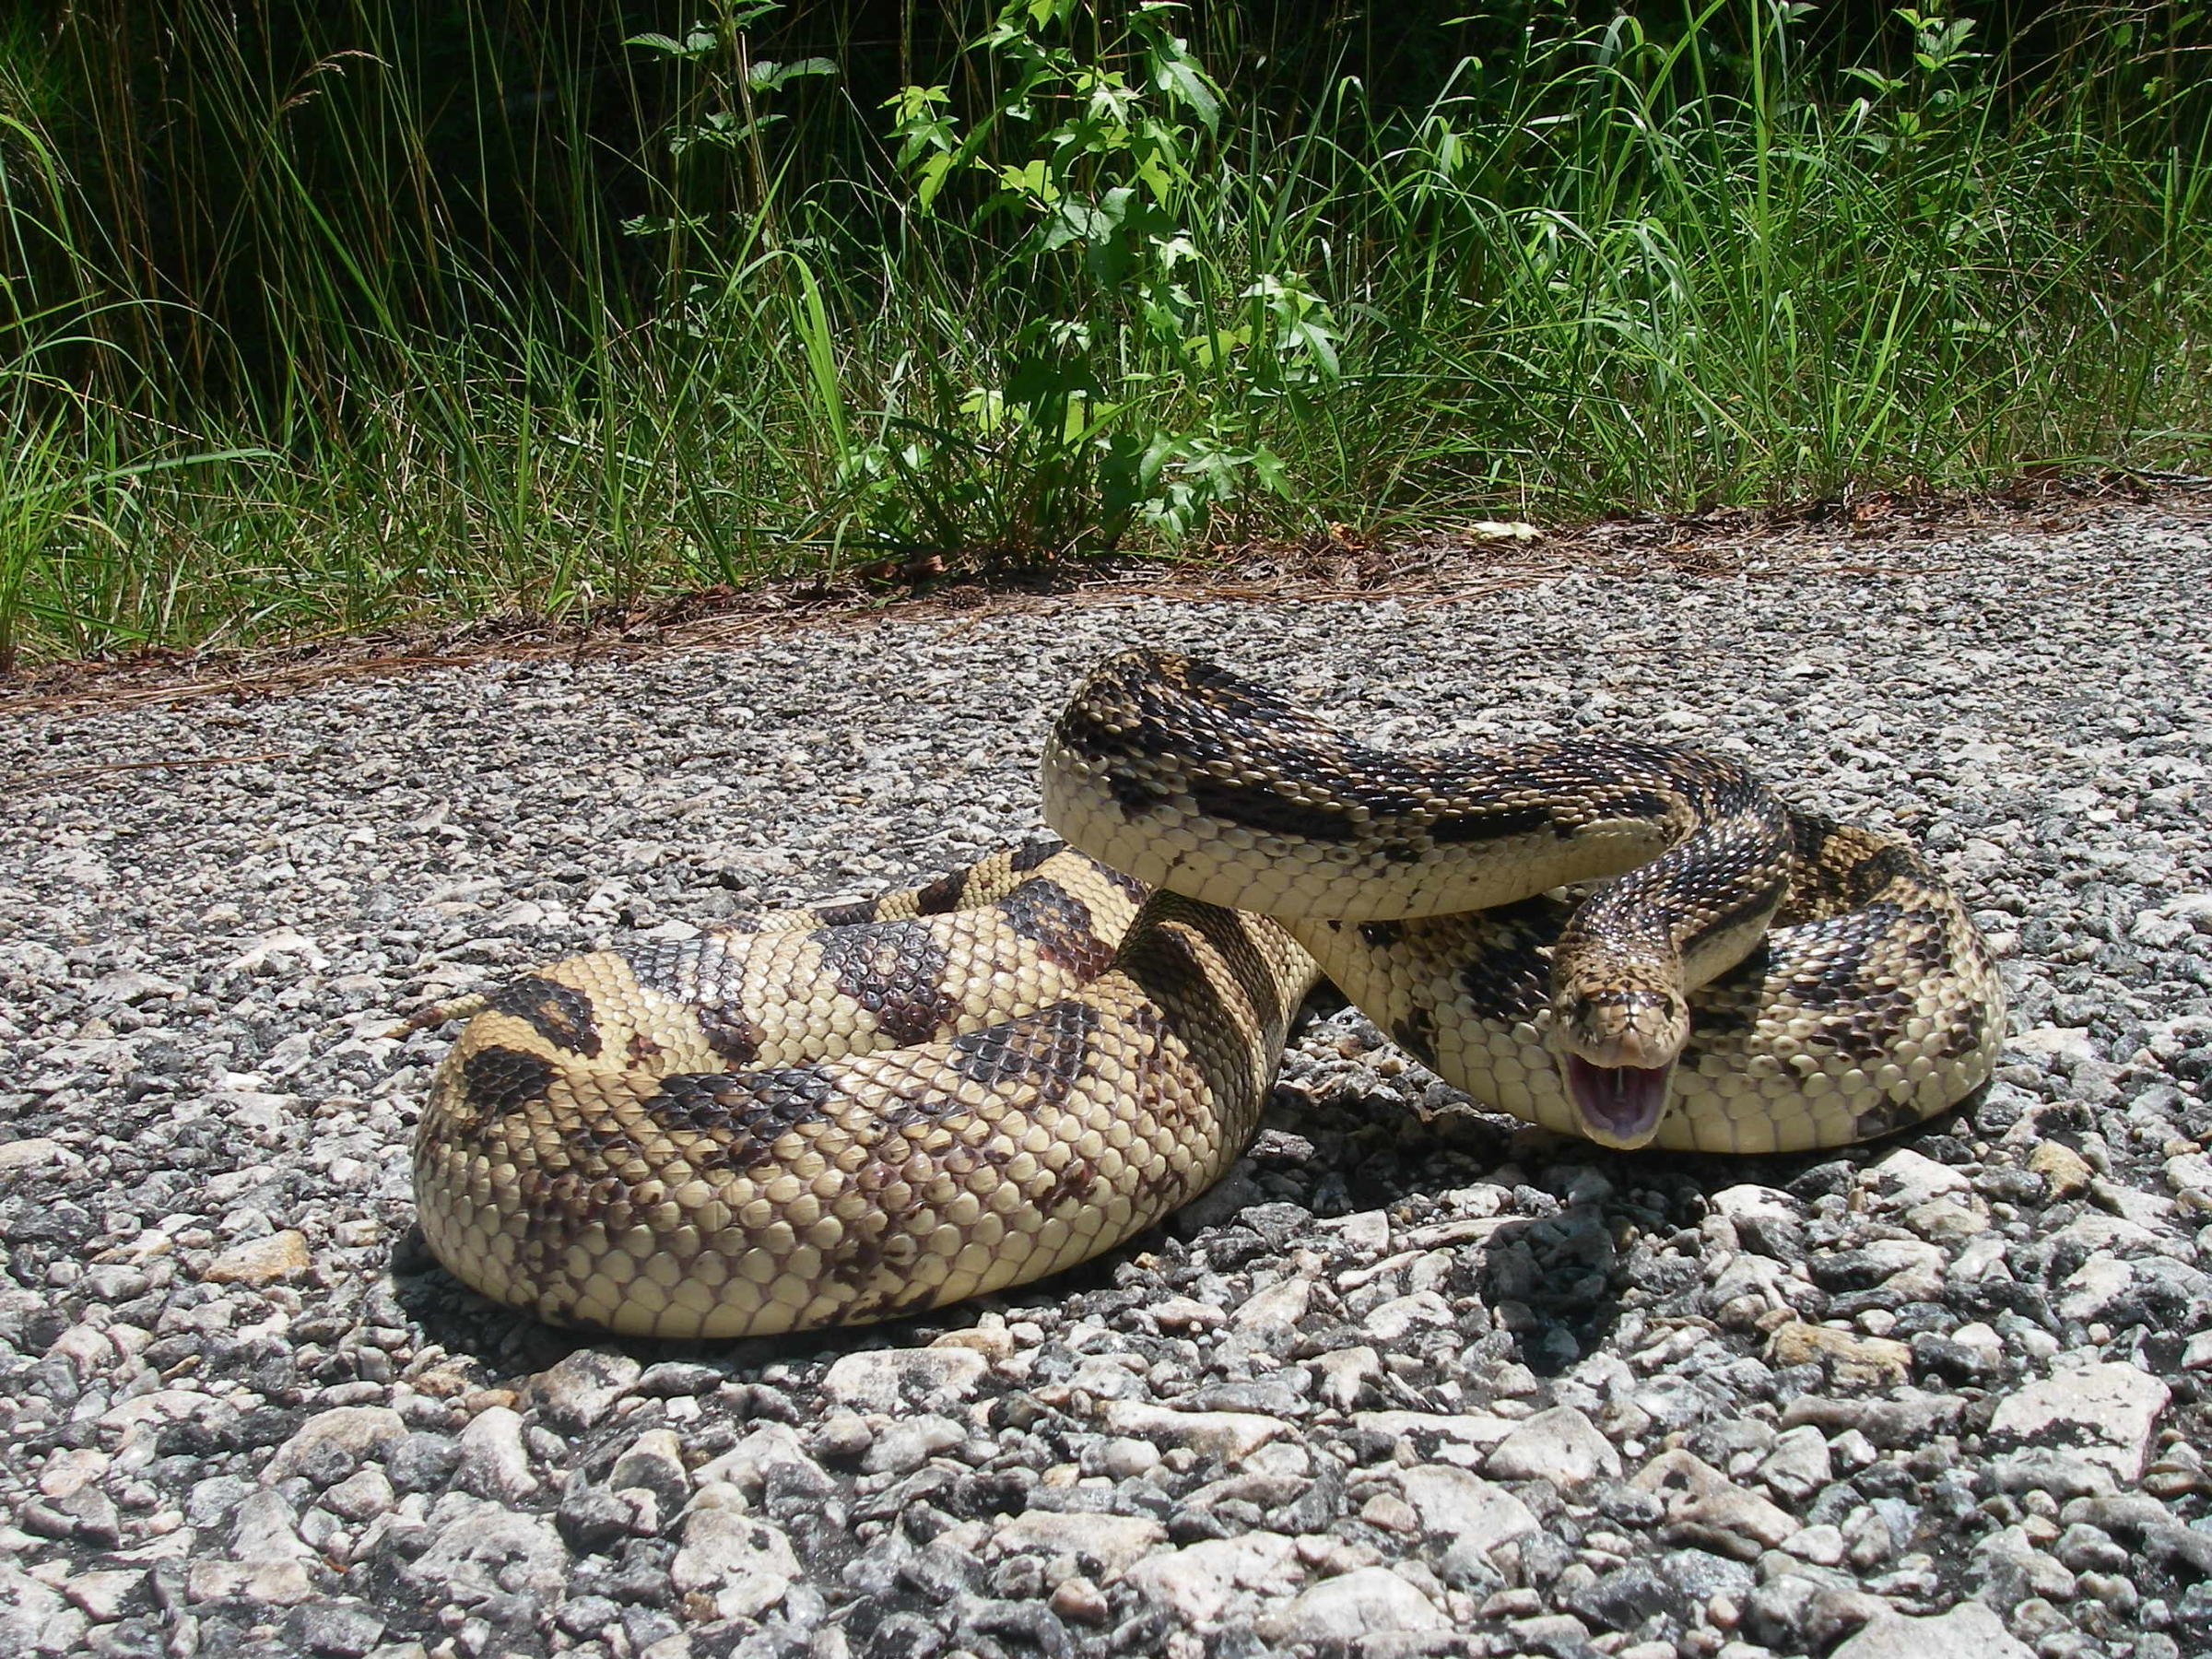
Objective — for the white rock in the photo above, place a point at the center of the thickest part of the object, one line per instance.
(266, 1529)
(2190, 1172)
(1367, 1232)
(654, 1460)
(1748, 1201)
(1821, 1544)
(1981, 1258)
(276, 1583)
(1454, 1503)
(2013, 1569)
(103, 1595)
(360, 1430)
(32, 1152)
(1390, 1320)
(746, 1565)
(1479, 1432)
(482, 1549)
(1107, 1545)
(1125, 1457)
(888, 1380)
(71, 1468)
(493, 1463)
(2060, 1041)
(1186, 1313)
(580, 1389)
(2094, 1234)
(746, 1465)
(2093, 1286)
(361, 1496)
(1968, 1630)
(1103, 1377)
(1366, 1601)
(1982, 1339)
(25, 1607)
(906, 1444)
(1345, 1373)
(1229, 1435)
(1912, 1269)
(1910, 1178)
(1559, 1446)
(1733, 1522)
(283, 942)
(2105, 1413)
(130, 985)
(86, 1347)
(1197, 1583)
(1278, 1308)
(1798, 1464)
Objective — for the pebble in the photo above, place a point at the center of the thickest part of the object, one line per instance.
(2105, 1413)
(493, 1463)
(1106, 1546)
(1851, 1361)
(1356, 1605)
(889, 1379)
(342, 1630)
(261, 1261)
(1198, 1581)
(31, 1152)
(1231, 1436)
(579, 1391)
(1967, 1631)
(332, 1444)
(1456, 1504)
(1798, 1464)
(744, 1565)
(1561, 1445)
(104, 1595)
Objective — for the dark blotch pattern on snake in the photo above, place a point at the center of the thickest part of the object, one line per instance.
(856, 1112)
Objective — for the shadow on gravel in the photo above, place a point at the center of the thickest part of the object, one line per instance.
(1546, 1235)
(510, 1343)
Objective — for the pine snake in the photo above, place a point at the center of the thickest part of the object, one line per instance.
(849, 1114)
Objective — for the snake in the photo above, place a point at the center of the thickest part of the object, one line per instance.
(851, 1112)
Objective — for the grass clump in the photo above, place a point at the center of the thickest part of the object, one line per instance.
(379, 326)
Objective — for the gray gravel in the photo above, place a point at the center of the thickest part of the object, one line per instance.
(1414, 1381)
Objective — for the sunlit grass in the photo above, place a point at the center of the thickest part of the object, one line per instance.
(1587, 281)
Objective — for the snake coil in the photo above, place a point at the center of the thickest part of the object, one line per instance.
(857, 1111)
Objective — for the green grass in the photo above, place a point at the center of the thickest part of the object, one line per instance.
(1083, 296)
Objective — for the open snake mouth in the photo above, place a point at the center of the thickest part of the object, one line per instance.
(1619, 1105)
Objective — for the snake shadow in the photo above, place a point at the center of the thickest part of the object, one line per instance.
(1584, 1236)
(1583, 1228)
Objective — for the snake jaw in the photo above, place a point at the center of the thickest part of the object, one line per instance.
(1616, 1050)
(1619, 1106)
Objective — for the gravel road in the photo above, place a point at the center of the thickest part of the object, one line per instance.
(1414, 1381)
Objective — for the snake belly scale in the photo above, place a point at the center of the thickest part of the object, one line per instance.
(844, 1115)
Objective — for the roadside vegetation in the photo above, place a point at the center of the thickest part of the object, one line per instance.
(316, 319)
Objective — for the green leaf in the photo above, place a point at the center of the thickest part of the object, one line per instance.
(930, 177)
(768, 74)
(1177, 74)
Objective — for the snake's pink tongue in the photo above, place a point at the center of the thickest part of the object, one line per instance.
(1620, 1105)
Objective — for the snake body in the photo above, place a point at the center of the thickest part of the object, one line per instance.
(853, 1112)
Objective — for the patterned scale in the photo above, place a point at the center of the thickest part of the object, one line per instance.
(859, 1111)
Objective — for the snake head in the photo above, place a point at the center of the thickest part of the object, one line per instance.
(1617, 1046)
